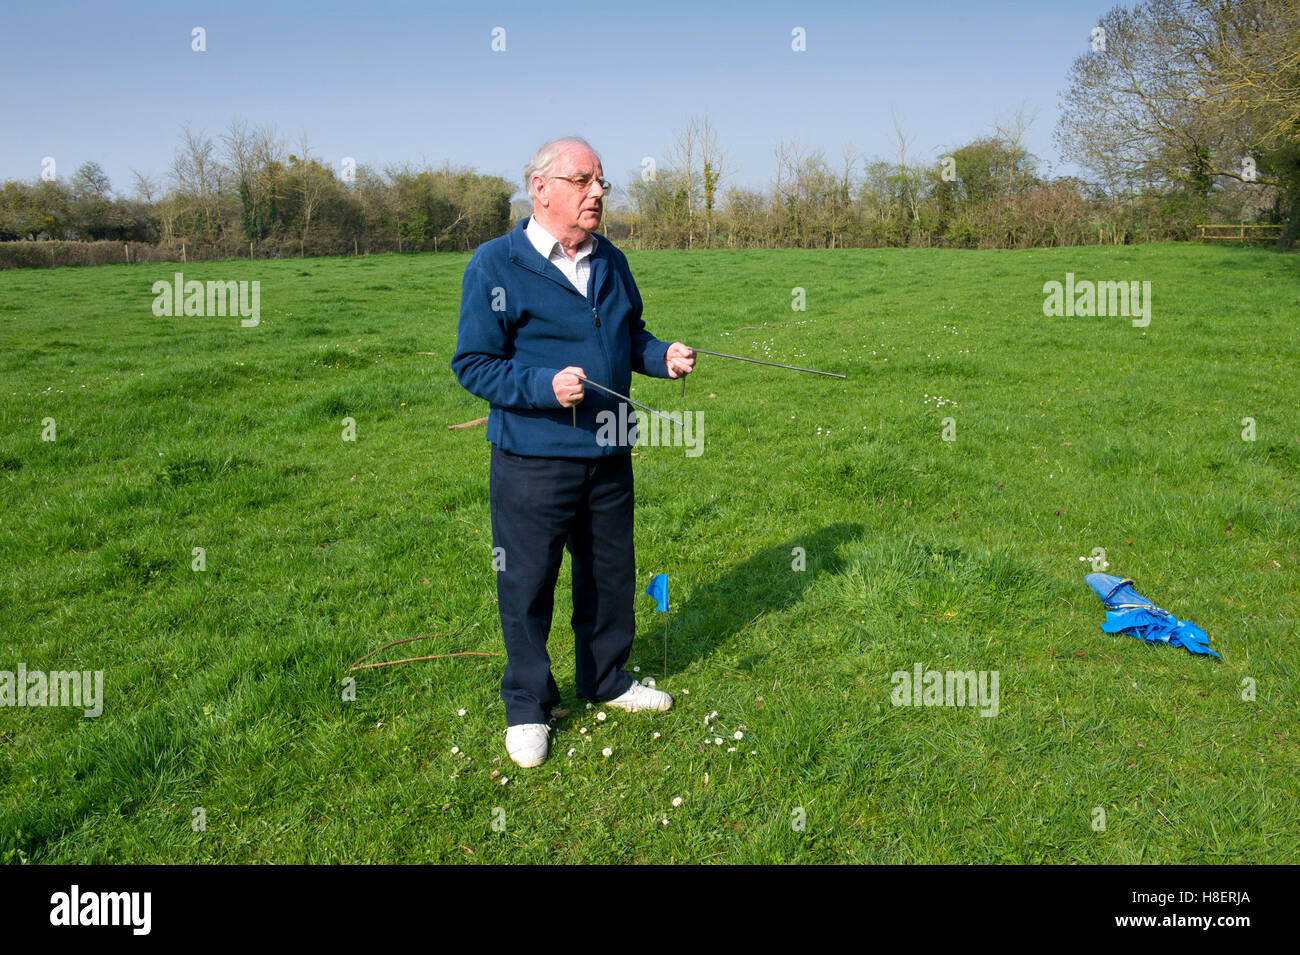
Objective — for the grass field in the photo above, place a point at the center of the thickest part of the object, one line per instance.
(223, 688)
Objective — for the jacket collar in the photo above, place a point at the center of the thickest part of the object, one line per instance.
(522, 252)
(545, 243)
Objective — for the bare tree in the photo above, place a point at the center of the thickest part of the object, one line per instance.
(842, 208)
(1013, 132)
(144, 187)
(908, 185)
(715, 166)
(697, 166)
(197, 176)
(805, 194)
(682, 156)
(311, 181)
(1157, 108)
(1251, 62)
(786, 198)
(1251, 56)
(256, 157)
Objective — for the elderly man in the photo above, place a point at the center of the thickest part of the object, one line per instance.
(542, 308)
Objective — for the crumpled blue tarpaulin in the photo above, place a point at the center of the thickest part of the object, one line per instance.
(1129, 612)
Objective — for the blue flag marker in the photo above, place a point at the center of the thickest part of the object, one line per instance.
(1129, 612)
(658, 589)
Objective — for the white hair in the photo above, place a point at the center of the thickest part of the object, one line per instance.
(543, 160)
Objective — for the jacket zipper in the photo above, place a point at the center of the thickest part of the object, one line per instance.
(594, 312)
(600, 340)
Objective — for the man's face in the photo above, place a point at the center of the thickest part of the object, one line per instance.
(567, 204)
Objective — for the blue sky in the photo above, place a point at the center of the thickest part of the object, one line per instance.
(388, 82)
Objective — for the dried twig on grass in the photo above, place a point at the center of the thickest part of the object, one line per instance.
(468, 424)
(359, 665)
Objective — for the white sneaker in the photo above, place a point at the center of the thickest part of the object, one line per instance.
(528, 744)
(640, 697)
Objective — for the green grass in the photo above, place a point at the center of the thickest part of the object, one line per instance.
(223, 687)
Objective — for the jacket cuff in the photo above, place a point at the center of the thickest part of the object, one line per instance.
(543, 389)
(656, 359)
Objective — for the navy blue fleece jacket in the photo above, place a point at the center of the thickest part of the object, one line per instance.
(522, 321)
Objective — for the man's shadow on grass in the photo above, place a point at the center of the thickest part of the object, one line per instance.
(717, 610)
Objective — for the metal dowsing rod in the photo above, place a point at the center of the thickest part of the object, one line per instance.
(773, 364)
(628, 400)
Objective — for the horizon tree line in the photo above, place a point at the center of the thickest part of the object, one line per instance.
(1187, 112)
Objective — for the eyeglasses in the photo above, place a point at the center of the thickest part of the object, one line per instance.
(584, 182)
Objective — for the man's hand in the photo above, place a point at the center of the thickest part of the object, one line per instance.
(680, 360)
(568, 386)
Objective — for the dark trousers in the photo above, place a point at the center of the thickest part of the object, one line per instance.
(540, 506)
